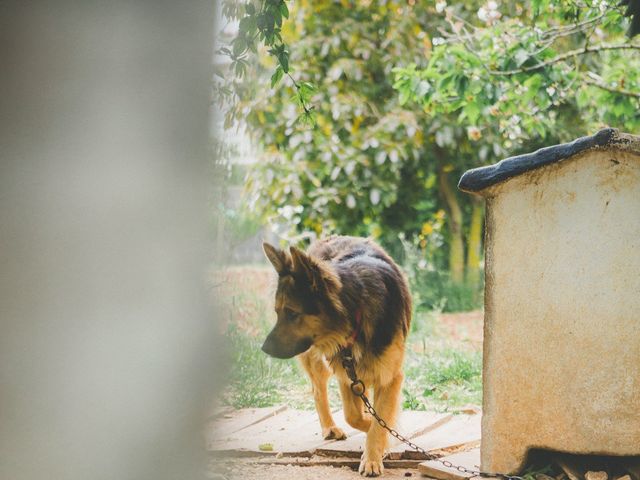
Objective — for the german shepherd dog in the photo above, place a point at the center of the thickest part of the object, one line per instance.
(344, 291)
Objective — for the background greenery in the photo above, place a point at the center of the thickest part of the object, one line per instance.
(367, 112)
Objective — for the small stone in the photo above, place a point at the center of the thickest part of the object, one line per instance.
(408, 474)
(470, 410)
(596, 476)
(624, 477)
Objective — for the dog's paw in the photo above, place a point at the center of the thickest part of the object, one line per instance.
(371, 468)
(333, 433)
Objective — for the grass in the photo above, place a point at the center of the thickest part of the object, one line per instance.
(441, 373)
(257, 380)
(442, 379)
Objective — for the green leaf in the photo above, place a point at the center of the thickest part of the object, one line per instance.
(250, 8)
(268, 21)
(473, 112)
(461, 84)
(521, 56)
(240, 67)
(277, 76)
(284, 61)
(248, 25)
(423, 88)
(284, 10)
(404, 96)
(239, 46)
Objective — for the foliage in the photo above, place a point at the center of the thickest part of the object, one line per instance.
(230, 224)
(443, 378)
(515, 74)
(363, 169)
(261, 22)
(408, 95)
(239, 224)
(432, 288)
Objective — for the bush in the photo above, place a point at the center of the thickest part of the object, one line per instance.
(431, 285)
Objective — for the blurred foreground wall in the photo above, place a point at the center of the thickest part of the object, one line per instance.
(107, 340)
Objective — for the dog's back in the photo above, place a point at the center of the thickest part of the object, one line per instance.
(369, 277)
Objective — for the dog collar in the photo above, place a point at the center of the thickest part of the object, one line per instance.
(356, 331)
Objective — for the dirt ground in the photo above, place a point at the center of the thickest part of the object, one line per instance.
(463, 326)
(259, 469)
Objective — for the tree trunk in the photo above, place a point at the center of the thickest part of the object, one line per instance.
(474, 243)
(456, 246)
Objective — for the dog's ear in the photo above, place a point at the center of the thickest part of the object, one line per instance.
(277, 257)
(306, 267)
(321, 278)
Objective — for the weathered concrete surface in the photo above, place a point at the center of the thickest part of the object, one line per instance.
(562, 310)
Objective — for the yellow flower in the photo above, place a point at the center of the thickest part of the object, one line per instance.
(427, 228)
(356, 124)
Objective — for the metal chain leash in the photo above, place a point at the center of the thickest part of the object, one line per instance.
(358, 388)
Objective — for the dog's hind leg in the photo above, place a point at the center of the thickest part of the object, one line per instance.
(387, 404)
(319, 372)
(354, 412)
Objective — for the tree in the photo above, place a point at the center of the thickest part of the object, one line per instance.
(515, 75)
(406, 97)
(527, 76)
(360, 168)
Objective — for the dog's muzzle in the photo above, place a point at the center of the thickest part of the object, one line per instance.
(275, 348)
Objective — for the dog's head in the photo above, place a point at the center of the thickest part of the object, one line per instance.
(307, 303)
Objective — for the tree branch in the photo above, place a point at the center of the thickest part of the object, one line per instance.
(555, 32)
(307, 109)
(572, 53)
(604, 86)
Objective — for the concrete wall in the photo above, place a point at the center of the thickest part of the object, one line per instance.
(562, 321)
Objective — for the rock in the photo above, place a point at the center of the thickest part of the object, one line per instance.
(469, 410)
(571, 469)
(624, 477)
(590, 475)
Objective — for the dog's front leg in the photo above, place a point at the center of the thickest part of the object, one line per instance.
(386, 404)
(353, 407)
(319, 374)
